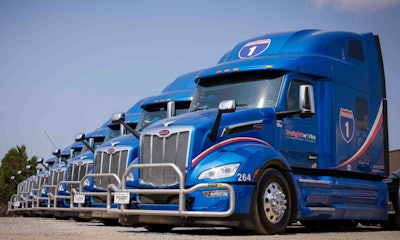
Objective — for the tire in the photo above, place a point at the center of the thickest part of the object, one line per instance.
(272, 203)
(160, 228)
(393, 222)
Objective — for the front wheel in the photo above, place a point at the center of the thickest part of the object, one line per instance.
(272, 203)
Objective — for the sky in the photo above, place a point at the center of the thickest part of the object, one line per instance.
(67, 65)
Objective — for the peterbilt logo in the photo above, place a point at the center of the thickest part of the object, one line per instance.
(80, 163)
(111, 150)
(163, 133)
(59, 170)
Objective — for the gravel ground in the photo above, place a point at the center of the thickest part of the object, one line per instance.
(34, 228)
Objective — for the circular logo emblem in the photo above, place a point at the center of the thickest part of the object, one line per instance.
(254, 48)
(110, 150)
(163, 133)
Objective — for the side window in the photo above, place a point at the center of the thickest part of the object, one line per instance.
(355, 49)
(292, 99)
(361, 114)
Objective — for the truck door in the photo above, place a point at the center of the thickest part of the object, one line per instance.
(299, 133)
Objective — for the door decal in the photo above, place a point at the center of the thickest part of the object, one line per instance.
(346, 124)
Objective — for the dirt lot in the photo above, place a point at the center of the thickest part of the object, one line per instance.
(33, 228)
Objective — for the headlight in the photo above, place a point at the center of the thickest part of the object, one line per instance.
(86, 183)
(130, 177)
(223, 171)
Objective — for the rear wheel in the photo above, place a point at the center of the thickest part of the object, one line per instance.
(272, 204)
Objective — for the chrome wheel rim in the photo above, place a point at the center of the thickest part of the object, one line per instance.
(274, 202)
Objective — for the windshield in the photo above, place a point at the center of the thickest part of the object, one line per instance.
(112, 133)
(250, 91)
(76, 152)
(98, 141)
(154, 112)
(94, 142)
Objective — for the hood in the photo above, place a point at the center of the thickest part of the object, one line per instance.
(86, 156)
(126, 140)
(243, 122)
(58, 167)
(51, 160)
(43, 174)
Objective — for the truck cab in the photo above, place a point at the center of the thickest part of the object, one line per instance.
(287, 127)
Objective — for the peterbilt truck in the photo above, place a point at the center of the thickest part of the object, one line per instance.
(288, 127)
(82, 165)
(114, 156)
(83, 162)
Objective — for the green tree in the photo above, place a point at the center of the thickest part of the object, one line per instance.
(16, 159)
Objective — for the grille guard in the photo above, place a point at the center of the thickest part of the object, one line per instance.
(79, 191)
(181, 191)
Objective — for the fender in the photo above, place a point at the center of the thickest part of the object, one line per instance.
(253, 155)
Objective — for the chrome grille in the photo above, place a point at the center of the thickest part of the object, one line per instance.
(110, 163)
(76, 171)
(41, 181)
(170, 149)
(55, 178)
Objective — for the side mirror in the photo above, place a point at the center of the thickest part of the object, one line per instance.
(12, 178)
(19, 172)
(56, 152)
(80, 137)
(28, 167)
(306, 101)
(40, 160)
(170, 109)
(227, 106)
(118, 118)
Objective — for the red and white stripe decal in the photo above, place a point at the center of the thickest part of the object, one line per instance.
(226, 142)
(371, 137)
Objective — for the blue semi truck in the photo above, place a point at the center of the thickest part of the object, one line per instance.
(287, 127)
(113, 157)
(82, 165)
(82, 162)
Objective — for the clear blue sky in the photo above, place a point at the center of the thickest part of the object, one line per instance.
(67, 65)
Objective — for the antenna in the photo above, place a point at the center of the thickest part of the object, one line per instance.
(54, 146)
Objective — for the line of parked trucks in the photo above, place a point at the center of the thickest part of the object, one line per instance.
(287, 128)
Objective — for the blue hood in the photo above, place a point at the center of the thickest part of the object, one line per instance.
(85, 157)
(244, 122)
